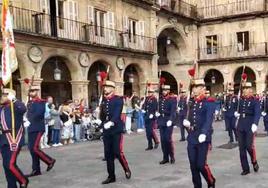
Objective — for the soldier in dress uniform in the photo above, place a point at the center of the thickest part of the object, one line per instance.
(166, 117)
(248, 118)
(111, 109)
(230, 106)
(264, 106)
(182, 110)
(10, 149)
(150, 108)
(35, 116)
(199, 125)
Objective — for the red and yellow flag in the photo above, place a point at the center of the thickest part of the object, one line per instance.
(9, 58)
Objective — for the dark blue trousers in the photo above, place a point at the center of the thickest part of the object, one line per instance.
(150, 132)
(12, 171)
(197, 154)
(265, 125)
(113, 148)
(246, 141)
(230, 125)
(182, 128)
(36, 153)
(167, 142)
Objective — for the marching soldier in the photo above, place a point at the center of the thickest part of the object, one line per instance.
(10, 149)
(166, 117)
(182, 109)
(264, 105)
(111, 109)
(199, 126)
(35, 116)
(249, 114)
(150, 108)
(230, 106)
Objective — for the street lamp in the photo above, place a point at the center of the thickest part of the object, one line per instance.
(213, 79)
(168, 41)
(57, 72)
(98, 76)
(131, 78)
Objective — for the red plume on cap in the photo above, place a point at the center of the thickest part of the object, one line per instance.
(103, 75)
(162, 81)
(191, 72)
(244, 76)
(26, 81)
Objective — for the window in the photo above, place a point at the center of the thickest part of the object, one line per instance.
(132, 32)
(99, 20)
(212, 44)
(242, 41)
(61, 15)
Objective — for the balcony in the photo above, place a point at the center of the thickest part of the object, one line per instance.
(233, 52)
(178, 7)
(40, 24)
(232, 9)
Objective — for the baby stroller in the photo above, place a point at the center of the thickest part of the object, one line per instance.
(94, 131)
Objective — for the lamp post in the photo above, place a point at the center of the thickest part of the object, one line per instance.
(213, 78)
(57, 72)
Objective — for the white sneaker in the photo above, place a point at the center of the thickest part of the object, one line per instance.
(55, 145)
(47, 146)
(60, 144)
(140, 130)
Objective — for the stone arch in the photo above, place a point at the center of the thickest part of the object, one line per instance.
(170, 80)
(251, 77)
(60, 90)
(214, 80)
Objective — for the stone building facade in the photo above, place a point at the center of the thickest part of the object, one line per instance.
(137, 39)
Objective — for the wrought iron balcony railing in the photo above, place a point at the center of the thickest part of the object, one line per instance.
(234, 51)
(178, 7)
(231, 9)
(32, 22)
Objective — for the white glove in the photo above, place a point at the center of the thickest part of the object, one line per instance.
(26, 124)
(108, 125)
(151, 116)
(169, 123)
(236, 114)
(254, 128)
(157, 114)
(202, 138)
(216, 112)
(11, 97)
(224, 109)
(263, 113)
(98, 121)
(143, 111)
(186, 123)
(179, 108)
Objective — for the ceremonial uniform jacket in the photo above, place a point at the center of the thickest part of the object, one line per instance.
(264, 107)
(230, 105)
(36, 113)
(6, 122)
(182, 105)
(250, 112)
(111, 109)
(167, 110)
(150, 106)
(201, 117)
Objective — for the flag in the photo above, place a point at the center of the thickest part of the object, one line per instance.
(9, 59)
(192, 71)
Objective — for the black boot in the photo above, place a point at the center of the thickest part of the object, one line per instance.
(25, 185)
(128, 174)
(34, 173)
(172, 161)
(256, 167)
(109, 180)
(49, 167)
(156, 146)
(213, 184)
(163, 162)
(149, 148)
(246, 172)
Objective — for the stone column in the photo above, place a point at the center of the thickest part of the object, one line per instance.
(260, 84)
(119, 90)
(25, 87)
(80, 89)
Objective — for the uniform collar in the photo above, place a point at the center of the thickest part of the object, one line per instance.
(110, 97)
(38, 99)
(200, 98)
(248, 97)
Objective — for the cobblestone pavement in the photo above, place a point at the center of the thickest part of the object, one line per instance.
(80, 165)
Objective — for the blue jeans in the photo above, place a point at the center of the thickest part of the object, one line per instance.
(56, 136)
(77, 134)
(140, 120)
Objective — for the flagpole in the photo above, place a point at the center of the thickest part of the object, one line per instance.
(12, 113)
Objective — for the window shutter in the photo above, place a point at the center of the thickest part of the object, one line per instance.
(125, 36)
(111, 26)
(125, 24)
(90, 14)
(142, 34)
(44, 6)
(106, 30)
